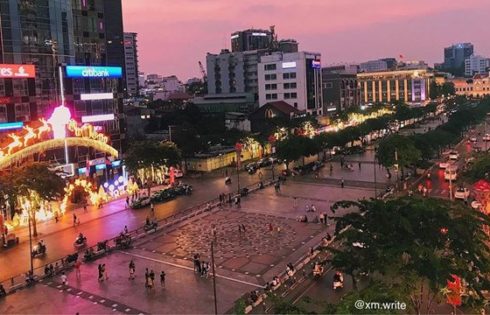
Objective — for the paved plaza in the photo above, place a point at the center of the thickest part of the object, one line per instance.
(244, 260)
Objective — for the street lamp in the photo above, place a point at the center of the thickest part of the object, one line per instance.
(214, 277)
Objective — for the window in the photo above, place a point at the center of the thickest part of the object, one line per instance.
(287, 96)
(269, 77)
(3, 113)
(289, 75)
(290, 85)
(268, 96)
(270, 67)
(274, 96)
(294, 95)
(22, 112)
(329, 85)
(271, 86)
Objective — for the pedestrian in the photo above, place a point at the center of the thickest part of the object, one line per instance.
(239, 229)
(324, 218)
(126, 230)
(313, 208)
(321, 218)
(359, 165)
(78, 221)
(56, 217)
(342, 183)
(162, 279)
(132, 269)
(213, 231)
(295, 202)
(101, 274)
(151, 279)
(243, 228)
(152, 209)
(147, 278)
(64, 280)
(104, 270)
(85, 207)
(127, 201)
(197, 263)
(74, 219)
(271, 228)
(77, 268)
(331, 168)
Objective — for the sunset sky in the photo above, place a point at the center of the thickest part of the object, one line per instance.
(175, 34)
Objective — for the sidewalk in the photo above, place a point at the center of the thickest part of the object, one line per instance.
(66, 220)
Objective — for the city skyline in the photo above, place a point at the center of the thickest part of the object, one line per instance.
(418, 30)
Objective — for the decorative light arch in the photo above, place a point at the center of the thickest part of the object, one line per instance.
(8, 160)
(87, 187)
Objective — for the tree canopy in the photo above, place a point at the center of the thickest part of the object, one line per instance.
(415, 244)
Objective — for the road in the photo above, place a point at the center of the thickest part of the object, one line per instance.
(108, 222)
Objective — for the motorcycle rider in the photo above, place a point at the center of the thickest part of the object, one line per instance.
(338, 280)
(80, 239)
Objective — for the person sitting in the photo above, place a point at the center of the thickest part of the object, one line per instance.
(89, 254)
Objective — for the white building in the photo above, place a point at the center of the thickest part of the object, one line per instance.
(476, 65)
(131, 62)
(295, 78)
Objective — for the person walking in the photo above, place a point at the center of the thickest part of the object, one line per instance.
(321, 218)
(162, 279)
(342, 183)
(151, 281)
(64, 279)
(127, 201)
(152, 206)
(56, 217)
(132, 269)
(77, 268)
(243, 228)
(85, 207)
(74, 219)
(101, 273)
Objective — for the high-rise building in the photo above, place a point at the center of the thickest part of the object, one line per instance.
(131, 62)
(378, 65)
(252, 39)
(476, 65)
(387, 87)
(49, 33)
(292, 77)
(455, 56)
(340, 88)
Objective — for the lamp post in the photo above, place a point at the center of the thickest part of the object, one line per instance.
(238, 149)
(374, 167)
(30, 239)
(214, 278)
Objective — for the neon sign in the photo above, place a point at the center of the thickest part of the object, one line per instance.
(93, 72)
(86, 131)
(11, 125)
(96, 96)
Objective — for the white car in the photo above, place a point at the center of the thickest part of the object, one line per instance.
(462, 193)
(444, 164)
(453, 155)
(486, 137)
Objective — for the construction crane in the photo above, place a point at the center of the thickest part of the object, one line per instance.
(203, 72)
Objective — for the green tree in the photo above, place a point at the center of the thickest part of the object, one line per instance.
(480, 169)
(34, 183)
(415, 245)
(291, 149)
(397, 149)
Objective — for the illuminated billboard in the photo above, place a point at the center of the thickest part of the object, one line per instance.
(316, 64)
(96, 118)
(93, 72)
(9, 71)
(288, 65)
(11, 125)
(96, 96)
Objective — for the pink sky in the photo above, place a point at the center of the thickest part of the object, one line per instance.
(175, 34)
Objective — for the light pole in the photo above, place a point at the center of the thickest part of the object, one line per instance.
(375, 183)
(214, 278)
(30, 241)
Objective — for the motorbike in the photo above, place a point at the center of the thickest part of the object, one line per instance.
(317, 271)
(38, 250)
(151, 226)
(338, 281)
(102, 246)
(123, 241)
(71, 258)
(80, 242)
(227, 181)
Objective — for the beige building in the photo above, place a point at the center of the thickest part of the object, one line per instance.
(478, 86)
(409, 86)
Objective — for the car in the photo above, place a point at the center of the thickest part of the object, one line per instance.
(473, 139)
(486, 137)
(462, 193)
(444, 164)
(453, 155)
(264, 162)
(274, 160)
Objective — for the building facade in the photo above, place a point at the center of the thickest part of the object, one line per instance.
(252, 39)
(340, 89)
(131, 64)
(476, 65)
(455, 56)
(378, 65)
(408, 86)
(49, 33)
(292, 77)
(478, 86)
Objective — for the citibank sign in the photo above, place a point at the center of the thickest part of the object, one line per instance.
(93, 72)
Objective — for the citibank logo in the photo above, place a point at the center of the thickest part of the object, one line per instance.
(93, 72)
